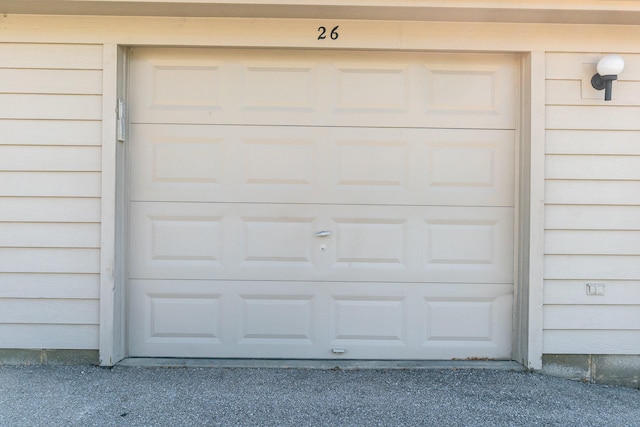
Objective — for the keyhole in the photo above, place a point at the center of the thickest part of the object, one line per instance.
(323, 247)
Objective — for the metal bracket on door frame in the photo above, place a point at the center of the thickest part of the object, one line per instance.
(121, 120)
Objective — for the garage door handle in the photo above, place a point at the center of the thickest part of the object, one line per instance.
(324, 233)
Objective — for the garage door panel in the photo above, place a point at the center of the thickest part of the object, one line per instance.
(469, 88)
(470, 244)
(336, 165)
(420, 244)
(369, 320)
(190, 162)
(174, 316)
(445, 325)
(474, 168)
(421, 321)
(373, 88)
(181, 160)
(179, 86)
(278, 164)
(470, 323)
(398, 89)
(372, 242)
(461, 165)
(279, 88)
(369, 163)
(223, 164)
(428, 167)
(309, 242)
(268, 319)
(211, 240)
(185, 239)
(235, 88)
(283, 319)
(166, 316)
(277, 319)
(276, 241)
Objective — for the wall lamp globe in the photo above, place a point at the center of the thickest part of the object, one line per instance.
(608, 69)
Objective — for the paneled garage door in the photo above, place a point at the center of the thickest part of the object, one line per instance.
(315, 204)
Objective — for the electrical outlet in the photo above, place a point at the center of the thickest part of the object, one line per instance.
(595, 288)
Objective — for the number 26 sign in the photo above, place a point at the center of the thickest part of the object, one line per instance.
(333, 34)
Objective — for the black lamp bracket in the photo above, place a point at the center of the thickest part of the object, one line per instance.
(604, 82)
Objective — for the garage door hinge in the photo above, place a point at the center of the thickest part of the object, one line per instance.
(122, 122)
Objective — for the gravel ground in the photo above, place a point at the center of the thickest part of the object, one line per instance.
(132, 396)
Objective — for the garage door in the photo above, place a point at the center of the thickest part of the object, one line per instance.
(314, 204)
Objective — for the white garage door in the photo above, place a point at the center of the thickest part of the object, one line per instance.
(303, 204)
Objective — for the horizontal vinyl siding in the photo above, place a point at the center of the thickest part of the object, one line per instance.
(587, 191)
(588, 242)
(48, 81)
(50, 184)
(49, 235)
(563, 292)
(50, 181)
(50, 132)
(49, 209)
(592, 212)
(33, 335)
(589, 341)
(51, 159)
(48, 285)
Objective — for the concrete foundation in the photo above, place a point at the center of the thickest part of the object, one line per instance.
(620, 370)
(48, 357)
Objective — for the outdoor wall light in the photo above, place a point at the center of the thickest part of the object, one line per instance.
(608, 69)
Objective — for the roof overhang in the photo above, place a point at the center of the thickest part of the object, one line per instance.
(524, 11)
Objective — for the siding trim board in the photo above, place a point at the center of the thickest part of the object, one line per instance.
(113, 230)
(590, 12)
(527, 343)
(292, 33)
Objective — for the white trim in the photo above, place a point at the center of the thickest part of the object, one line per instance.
(536, 210)
(302, 33)
(586, 11)
(528, 305)
(122, 205)
(518, 344)
(109, 336)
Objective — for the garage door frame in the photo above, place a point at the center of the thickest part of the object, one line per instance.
(527, 322)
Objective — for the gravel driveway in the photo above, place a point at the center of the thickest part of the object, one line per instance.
(137, 396)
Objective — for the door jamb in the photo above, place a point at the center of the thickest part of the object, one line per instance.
(113, 225)
(529, 236)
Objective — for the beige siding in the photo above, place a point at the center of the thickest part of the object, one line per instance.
(50, 162)
(592, 214)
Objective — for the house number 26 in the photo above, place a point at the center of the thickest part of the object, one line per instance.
(333, 35)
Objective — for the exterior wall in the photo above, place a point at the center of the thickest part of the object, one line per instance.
(592, 212)
(50, 159)
(51, 107)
